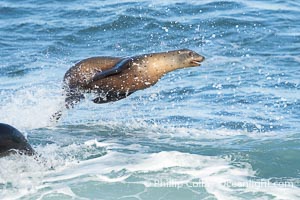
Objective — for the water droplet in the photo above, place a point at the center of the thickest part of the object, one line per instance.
(165, 29)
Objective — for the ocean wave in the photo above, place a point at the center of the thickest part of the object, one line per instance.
(142, 173)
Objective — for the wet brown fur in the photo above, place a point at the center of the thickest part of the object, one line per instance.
(144, 71)
(135, 73)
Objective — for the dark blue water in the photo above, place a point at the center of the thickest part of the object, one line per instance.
(226, 130)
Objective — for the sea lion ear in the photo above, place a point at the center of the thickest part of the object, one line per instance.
(116, 69)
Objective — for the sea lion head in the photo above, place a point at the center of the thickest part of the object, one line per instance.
(12, 141)
(188, 58)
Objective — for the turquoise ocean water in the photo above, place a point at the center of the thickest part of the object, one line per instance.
(226, 130)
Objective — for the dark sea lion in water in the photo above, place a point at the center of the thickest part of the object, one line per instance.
(12, 141)
(115, 78)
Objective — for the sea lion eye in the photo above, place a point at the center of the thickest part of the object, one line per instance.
(190, 53)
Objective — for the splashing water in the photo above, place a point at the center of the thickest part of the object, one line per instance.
(226, 130)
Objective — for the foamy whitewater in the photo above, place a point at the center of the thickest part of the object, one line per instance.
(226, 130)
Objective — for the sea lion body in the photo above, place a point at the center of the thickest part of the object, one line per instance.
(115, 78)
(12, 141)
(140, 72)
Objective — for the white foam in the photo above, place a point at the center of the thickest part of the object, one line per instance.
(218, 175)
(96, 143)
(60, 167)
(22, 173)
(62, 190)
(138, 127)
(259, 5)
(30, 107)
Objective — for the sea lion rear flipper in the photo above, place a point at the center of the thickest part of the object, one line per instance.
(72, 98)
(117, 68)
(56, 116)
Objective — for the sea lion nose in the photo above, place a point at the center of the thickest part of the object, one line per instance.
(202, 58)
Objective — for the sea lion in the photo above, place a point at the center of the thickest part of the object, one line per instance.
(12, 141)
(115, 78)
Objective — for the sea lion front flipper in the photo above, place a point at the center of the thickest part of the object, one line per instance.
(117, 68)
(109, 97)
